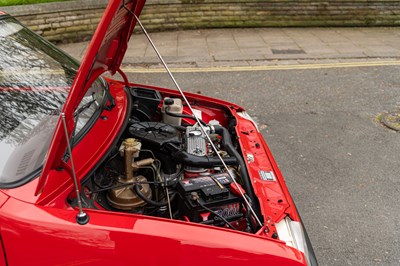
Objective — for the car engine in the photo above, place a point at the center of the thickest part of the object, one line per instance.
(163, 166)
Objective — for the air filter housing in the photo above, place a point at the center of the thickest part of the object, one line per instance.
(155, 134)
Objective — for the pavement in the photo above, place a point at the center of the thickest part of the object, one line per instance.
(258, 47)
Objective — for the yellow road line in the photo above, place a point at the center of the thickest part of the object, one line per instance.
(263, 68)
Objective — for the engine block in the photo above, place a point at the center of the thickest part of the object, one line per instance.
(196, 142)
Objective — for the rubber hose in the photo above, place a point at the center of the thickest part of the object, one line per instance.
(184, 116)
(197, 161)
(228, 146)
(152, 202)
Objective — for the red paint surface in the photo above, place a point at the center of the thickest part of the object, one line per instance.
(50, 236)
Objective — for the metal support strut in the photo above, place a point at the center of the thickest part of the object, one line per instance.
(82, 217)
(197, 119)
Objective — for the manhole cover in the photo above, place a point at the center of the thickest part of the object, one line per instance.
(391, 120)
(287, 51)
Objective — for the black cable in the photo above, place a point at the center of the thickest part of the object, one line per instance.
(216, 214)
(249, 215)
(184, 116)
(152, 202)
(94, 179)
(228, 146)
(124, 185)
(180, 128)
(189, 159)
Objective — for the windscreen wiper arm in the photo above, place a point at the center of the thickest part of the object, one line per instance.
(84, 107)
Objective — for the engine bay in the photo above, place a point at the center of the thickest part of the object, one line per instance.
(164, 166)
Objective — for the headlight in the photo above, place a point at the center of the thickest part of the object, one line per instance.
(292, 233)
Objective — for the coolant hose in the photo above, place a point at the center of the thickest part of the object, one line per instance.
(198, 161)
(152, 202)
(184, 116)
(228, 146)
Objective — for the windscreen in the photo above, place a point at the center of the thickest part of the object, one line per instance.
(35, 78)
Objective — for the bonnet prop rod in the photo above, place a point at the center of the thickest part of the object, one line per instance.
(82, 217)
(197, 119)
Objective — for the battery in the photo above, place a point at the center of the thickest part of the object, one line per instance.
(214, 194)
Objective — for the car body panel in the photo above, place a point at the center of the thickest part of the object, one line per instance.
(121, 239)
(274, 203)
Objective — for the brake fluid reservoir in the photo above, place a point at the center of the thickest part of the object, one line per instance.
(173, 105)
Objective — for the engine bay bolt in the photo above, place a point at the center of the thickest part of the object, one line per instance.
(194, 196)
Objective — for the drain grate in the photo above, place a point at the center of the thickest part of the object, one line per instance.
(287, 51)
(391, 120)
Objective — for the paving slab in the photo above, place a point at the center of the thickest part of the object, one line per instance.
(257, 46)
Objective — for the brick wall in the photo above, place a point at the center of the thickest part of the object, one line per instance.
(77, 20)
(61, 21)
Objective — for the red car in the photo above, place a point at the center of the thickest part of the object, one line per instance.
(96, 171)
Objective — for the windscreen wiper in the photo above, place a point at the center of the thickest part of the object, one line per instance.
(84, 107)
